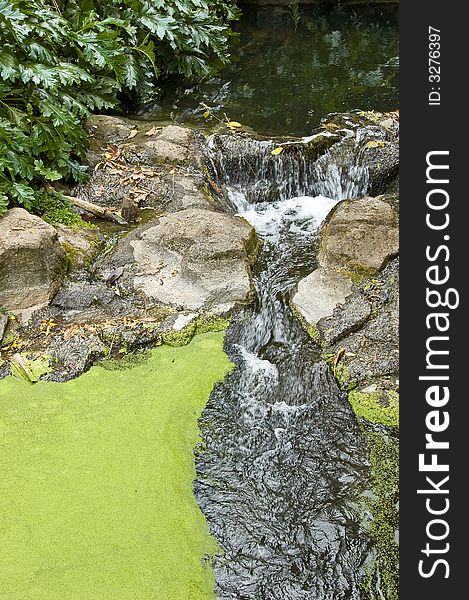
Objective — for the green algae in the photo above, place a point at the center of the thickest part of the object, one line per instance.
(381, 408)
(376, 407)
(176, 339)
(343, 378)
(212, 323)
(97, 476)
(384, 459)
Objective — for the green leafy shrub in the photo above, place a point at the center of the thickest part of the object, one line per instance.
(61, 61)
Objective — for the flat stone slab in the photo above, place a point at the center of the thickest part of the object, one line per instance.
(319, 293)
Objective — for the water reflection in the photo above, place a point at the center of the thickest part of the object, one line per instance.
(292, 68)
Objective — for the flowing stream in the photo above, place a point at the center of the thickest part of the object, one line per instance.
(284, 464)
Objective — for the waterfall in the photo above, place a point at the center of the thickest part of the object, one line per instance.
(325, 163)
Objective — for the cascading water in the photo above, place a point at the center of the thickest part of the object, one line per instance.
(284, 465)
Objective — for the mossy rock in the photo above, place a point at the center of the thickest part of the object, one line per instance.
(180, 338)
(203, 324)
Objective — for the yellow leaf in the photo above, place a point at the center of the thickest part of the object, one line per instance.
(206, 114)
(277, 151)
(375, 144)
(233, 124)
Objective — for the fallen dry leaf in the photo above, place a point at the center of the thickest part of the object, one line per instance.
(112, 152)
(338, 355)
(71, 331)
(152, 131)
(214, 186)
(375, 144)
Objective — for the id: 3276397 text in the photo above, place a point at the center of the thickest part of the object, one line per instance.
(434, 66)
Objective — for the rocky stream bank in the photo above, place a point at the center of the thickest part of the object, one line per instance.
(71, 296)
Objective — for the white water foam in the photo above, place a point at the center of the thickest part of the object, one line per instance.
(258, 366)
(301, 215)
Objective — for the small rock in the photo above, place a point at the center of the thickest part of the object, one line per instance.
(109, 130)
(183, 320)
(5, 369)
(369, 389)
(80, 245)
(320, 293)
(114, 276)
(383, 167)
(74, 356)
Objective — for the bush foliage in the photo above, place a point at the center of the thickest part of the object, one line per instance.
(61, 60)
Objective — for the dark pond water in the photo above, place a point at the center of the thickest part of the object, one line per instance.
(292, 67)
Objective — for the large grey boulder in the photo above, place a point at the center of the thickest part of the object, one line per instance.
(193, 259)
(360, 236)
(32, 261)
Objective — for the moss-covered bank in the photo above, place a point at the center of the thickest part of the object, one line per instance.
(96, 482)
(379, 418)
(384, 458)
(376, 407)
